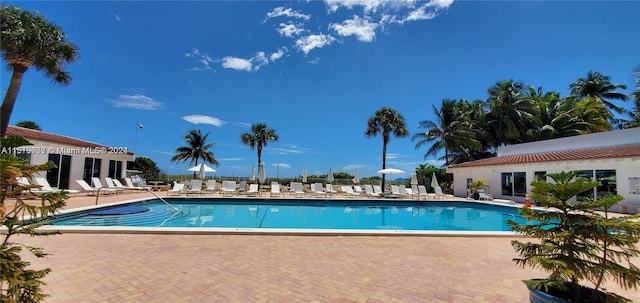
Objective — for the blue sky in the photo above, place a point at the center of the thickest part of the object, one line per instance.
(314, 71)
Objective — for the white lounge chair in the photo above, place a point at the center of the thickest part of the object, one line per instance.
(330, 189)
(119, 184)
(358, 189)
(211, 186)
(31, 188)
(275, 189)
(177, 189)
(395, 192)
(440, 194)
(112, 185)
(228, 188)
(254, 190)
(131, 186)
(368, 189)
(406, 192)
(378, 190)
(316, 188)
(97, 184)
(93, 190)
(45, 187)
(422, 192)
(349, 191)
(195, 187)
(297, 188)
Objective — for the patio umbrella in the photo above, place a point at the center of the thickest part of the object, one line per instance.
(434, 181)
(330, 178)
(304, 175)
(390, 171)
(414, 179)
(261, 174)
(252, 177)
(201, 169)
(355, 179)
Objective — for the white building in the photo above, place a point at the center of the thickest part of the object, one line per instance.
(612, 158)
(75, 159)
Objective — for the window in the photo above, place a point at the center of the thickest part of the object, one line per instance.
(519, 184)
(91, 169)
(507, 184)
(59, 176)
(607, 179)
(588, 174)
(540, 175)
(608, 183)
(514, 184)
(115, 169)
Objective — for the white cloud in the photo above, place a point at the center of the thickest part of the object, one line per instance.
(280, 11)
(308, 43)
(254, 63)
(281, 165)
(367, 5)
(277, 55)
(202, 119)
(351, 167)
(362, 28)
(237, 63)
(138, 101)
(440, 4)
(290, 29)
(203, 59)
(420, 14)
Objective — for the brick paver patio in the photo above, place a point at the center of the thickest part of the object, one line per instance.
(279, 268)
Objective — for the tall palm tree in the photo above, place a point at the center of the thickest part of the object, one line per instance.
(197, 148)
(28, 39)
(599, 87)
(509, 114)
(451, 132)
(259, 137)
(386, 121)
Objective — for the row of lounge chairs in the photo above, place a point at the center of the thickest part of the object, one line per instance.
(296, 189)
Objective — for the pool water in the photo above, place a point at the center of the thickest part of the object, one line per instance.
(307, 214)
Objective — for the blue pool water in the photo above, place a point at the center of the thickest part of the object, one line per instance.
(306, 214)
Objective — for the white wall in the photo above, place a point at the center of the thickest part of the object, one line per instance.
(625, 168)
(40, 154)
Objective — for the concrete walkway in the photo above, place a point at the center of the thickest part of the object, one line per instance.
(263, 268)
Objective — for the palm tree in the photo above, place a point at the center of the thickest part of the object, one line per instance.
(599, 86)
(386, 121)
(28, 39)
(451, 132)
(556, 117)
(29, 124)
(197, 148)
(259, 137)
(634, 114)
(509, 114)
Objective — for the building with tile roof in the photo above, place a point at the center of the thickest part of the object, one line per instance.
(612, 158)
(75, 159)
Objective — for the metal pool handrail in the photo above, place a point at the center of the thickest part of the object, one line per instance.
(149, 190)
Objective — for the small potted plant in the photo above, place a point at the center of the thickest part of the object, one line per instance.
(477, 185)
(577, 241)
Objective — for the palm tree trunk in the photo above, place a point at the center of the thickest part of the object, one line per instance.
(10, 97)
(384, 160)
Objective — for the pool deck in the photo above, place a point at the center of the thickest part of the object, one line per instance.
(278, 268)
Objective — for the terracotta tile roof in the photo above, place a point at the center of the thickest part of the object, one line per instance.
(622, 151)
(49, 137)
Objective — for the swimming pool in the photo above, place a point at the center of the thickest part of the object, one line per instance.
(307, 214)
